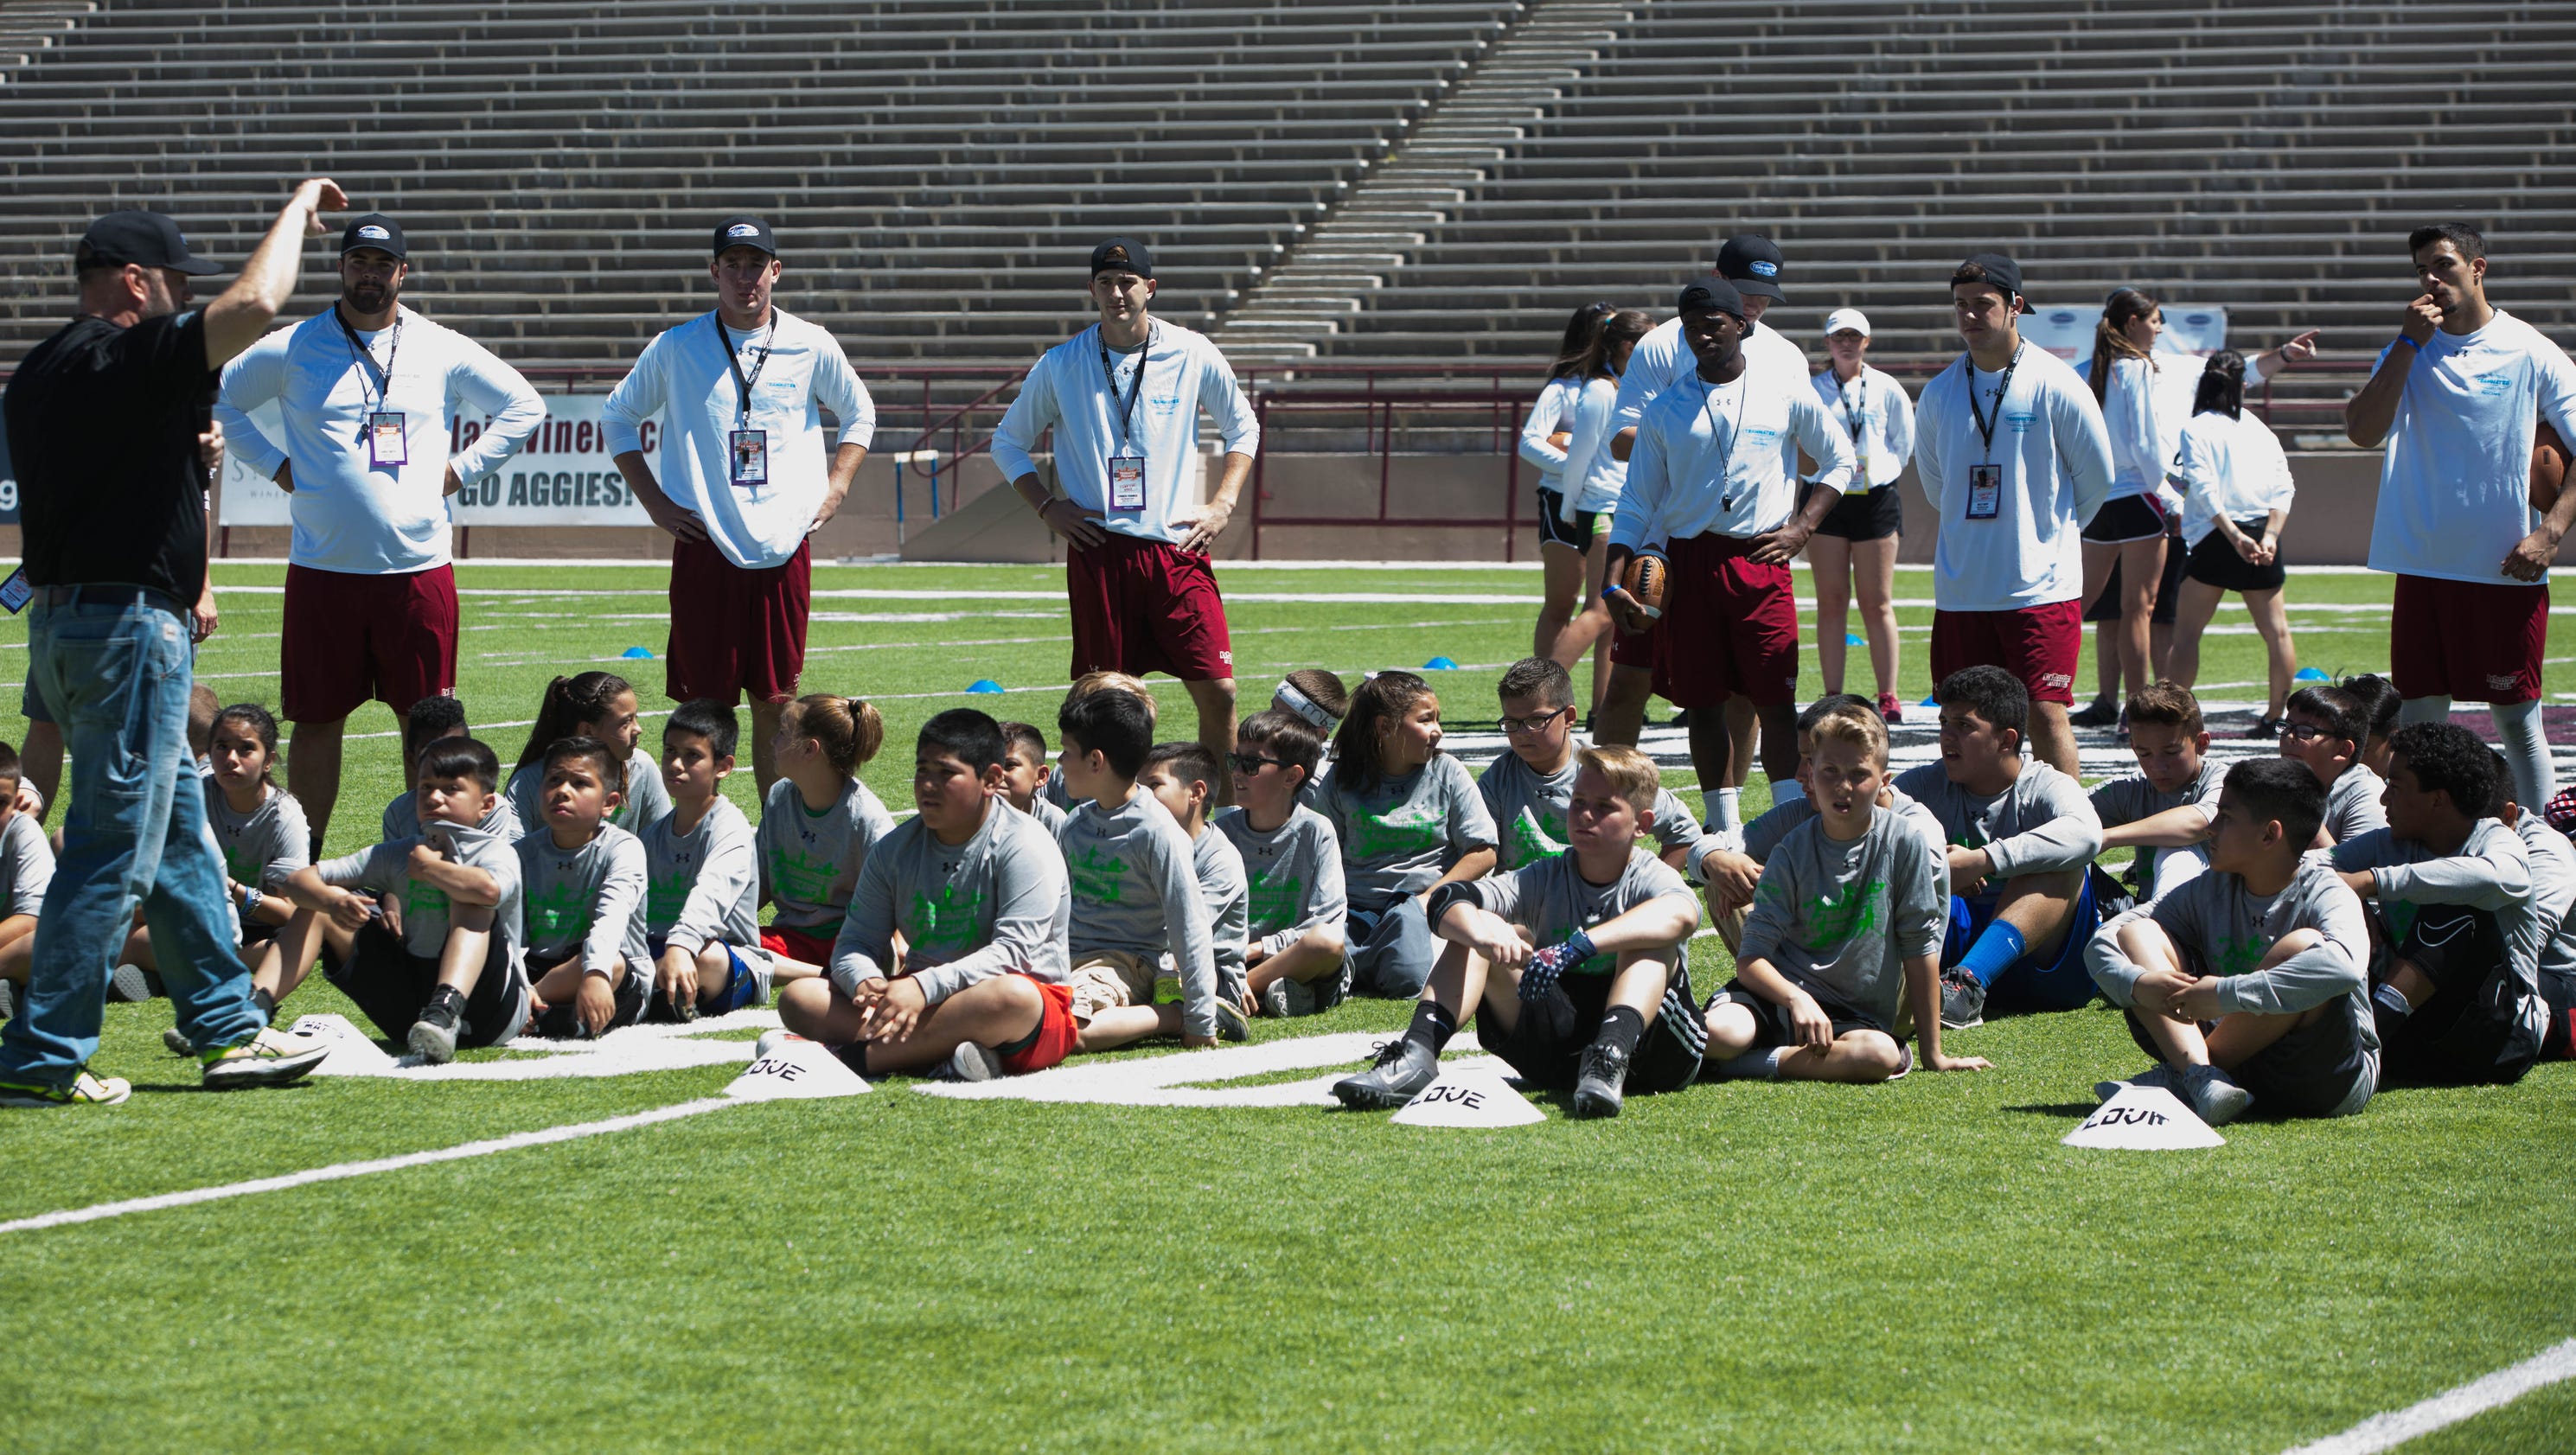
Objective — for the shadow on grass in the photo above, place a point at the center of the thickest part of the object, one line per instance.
(199, 1088)
(2058, 1109)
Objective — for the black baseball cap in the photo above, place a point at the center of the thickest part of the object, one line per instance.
(136, 236)
(742, 230)
(1712, 292)
(1752, 263)
(375, 230)
(2001, 271)
(1123, 252)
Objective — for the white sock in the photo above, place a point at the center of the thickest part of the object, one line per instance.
(1729, 818)
(2535, 779)
(1753, 1066)
(2394, 999)
(2423, 709)
(1786, 791)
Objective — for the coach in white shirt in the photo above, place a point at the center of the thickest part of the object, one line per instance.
(2012, 452)
(2457, 399)
(364, 392)
(743, 481)
(1123, 398)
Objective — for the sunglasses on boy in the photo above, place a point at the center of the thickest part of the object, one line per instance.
(1251, 764)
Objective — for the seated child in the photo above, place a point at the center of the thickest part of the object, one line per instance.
(1292, 868)
(702, 875)
(1025, 775)
(2164, 810)
(1182, 777)
(598, 705)
(1316, 697)
(1525, 790)
(2380, 708)
(1054, 790)
(816, 827)
(430, 950)
(2325, 728)
(2553, 891)
(430, 719)
(2022, 838)
(26, 869)
(977, 895)
(1409, 820)
(2247, 982)
(1576, 967)
(1844, 939)
(260, 833)
(582, 880)
(1134, 881)
(2456, 979)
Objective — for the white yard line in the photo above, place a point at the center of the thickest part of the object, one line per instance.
(2388, 1431)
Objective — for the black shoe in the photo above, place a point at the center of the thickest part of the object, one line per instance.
(2266, 728)
(2102, 713)
(1963, 1000)
(1680, 719)
(433, 1035)
(1596, 1091)
(1402, 1070)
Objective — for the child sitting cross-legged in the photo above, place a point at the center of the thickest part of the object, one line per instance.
(429, 720)
(26, 869)
(583, 880)
(1843, 944)
(975, 891)
(702, 875)
(1575, 968)
(817, 825)
(2247, 983)
(1292, 868)
(1182, 777)
(424, 933)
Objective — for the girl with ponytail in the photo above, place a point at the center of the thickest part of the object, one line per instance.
(816, 827)
(591, 705)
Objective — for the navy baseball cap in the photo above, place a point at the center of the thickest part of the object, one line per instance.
(136, 236)
(2001, 271)
(742, 230)
(1123, 252)
(375, 230)
(1752, 263)
(1715, 293)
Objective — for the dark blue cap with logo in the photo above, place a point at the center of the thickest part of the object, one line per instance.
(1712, 292)
(742, 230)
(2001, 271)
(1123, 252)
(1752, 263)
(375, 230)
(137, 236)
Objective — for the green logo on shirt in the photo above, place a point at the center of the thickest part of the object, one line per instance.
(1400, 832)
(1534, 836)
(946, 925)
(1097, 877)
(806, 879)
(1274, 900)
(2241, 956)
(1831, 922)
(558, 915)
(665, 897)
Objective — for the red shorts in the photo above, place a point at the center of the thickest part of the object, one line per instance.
(1730, 627)
(1144, 606)
(735, 631)
(795, 944)
(352, 639)
(2038, 644)
(2470, 641)
(1056, 1031)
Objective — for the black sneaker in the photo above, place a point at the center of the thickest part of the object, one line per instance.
(1402, 1069)
(1596, 1090)
(433, 1036)
(2102, 713)
(1963, 1000)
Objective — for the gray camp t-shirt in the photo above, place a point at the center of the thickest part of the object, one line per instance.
(2042, 824)
(2553, 894)
(2491, 871)
(1135, 887)
(426, 911)
(1551, 899)
(1048, 814)
(1219, 867)
(264, 847)
(1401, 836)
(2127, 800)
(809, 861)
(646, 798)
(2352, 803)
(402, 818)
(993, 905)
(2231, 929)
(1293, 876)
(703, 886)
(1839, 919)
(589, 899)
(26, 865)
(1528, 810)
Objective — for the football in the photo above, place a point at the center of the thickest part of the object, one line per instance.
(1644, 580)
(2548, 467)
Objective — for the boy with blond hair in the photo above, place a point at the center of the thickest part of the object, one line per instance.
(2164, 810)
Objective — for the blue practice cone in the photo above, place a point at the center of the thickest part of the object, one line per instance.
(639, 653)
(1440, 664)
(1853, 639)
(2311, 674)
(1931, 702)
(983, 684)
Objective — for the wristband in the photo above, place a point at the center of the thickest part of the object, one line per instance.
(2410, 343)
(1613, 589)
(250, 901)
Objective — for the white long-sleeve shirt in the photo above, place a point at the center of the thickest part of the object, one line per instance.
(2231, 469)
(1714, 458)
(350, 515)
(2055, 459)
(684, 377)
(1876, 416)
(2142, 443)
(2455, 482)
(1589, 427)
(1066, 391)
(1661, 357)
(1546, 417)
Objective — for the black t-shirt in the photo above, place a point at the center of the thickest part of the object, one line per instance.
(103, 425)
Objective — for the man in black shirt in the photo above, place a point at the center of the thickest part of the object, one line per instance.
(103, 421)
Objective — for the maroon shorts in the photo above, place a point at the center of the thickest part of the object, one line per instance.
(1056, 1031)
(2470, 641)
(1730, 627)
(735, 631)
(2038, 644)
(353, 639)
(1144, 606)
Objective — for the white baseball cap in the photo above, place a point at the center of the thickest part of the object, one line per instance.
(1851, 318)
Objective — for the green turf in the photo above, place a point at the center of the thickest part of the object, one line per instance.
(1917, 1267)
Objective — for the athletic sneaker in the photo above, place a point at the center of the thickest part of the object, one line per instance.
(1891, 709)
(971, 1062)
(2101, 713)
(2215, 1095)
(127, 985)
(1904, 1062)
(8, 999)
(176, 1040)
(2156, 1076)
(1963, 1000)
(433, 1036)
(1399, 1073)
(1596, 1090)
(1231, 1023)
(85, 1090)
(271, 1058)
(1167, 990)
(2266, 728)
(1287, 998)
(768, 1043)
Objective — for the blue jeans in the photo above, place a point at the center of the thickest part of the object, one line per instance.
(1391, 951)
(116, 672)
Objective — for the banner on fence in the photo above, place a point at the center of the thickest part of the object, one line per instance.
(562, 477)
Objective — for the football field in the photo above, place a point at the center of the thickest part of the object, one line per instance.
(1166, 1250)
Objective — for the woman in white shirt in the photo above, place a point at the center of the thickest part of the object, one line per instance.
(1543, 440)
(1854, 547)
(1574, 510)
(2236, 496)
(2128, 533)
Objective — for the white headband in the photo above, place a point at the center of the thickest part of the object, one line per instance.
(1306, 707)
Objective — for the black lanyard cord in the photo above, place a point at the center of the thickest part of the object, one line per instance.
(1135, 386)
(1986, 423)
(742, 386)
(383, 378)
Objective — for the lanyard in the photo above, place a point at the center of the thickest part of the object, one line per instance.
(1852, 426)
(742, 386)
(1135, 386)
(382, 378)
(2003, 386)
(1726, 457)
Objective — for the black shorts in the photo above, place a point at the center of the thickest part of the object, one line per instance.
(2316, 1070)
(1773, 1026)
(2474, 1031)
(390, 985)
(2215, 563)
(2106, 607)
(1552, 529)
(2128, 518)
(1872, 515)
(563, 1022)
(1546, 1043)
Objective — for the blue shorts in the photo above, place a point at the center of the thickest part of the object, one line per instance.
(742, 988)
(2059, 982)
